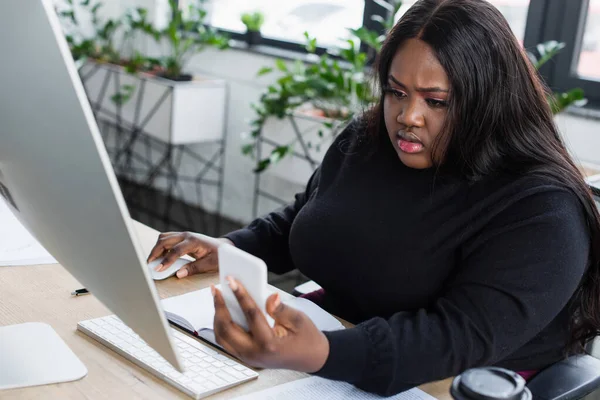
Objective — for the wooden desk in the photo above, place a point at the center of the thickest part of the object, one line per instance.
(43, 294)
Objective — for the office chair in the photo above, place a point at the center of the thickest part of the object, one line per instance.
(570, 379)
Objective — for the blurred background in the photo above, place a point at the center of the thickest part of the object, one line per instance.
(215, 112)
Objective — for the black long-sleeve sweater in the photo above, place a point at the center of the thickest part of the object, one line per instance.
(439, 274)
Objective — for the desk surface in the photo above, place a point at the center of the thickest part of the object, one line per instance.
(43, 294)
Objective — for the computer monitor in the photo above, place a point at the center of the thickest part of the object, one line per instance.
(57, 177)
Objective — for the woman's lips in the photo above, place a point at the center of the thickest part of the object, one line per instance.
(409, 142)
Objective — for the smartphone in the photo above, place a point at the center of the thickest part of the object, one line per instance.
(248, 270)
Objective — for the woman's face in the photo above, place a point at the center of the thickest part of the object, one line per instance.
(416, 102)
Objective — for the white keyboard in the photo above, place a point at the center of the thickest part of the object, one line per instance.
(207, 371)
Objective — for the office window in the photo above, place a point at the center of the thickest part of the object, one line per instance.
(327, 20)
(515, 11)
(589, 56)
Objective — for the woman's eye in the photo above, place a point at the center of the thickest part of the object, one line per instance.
(398, 94)
(437, 103)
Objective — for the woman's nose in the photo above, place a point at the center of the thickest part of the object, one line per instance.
(411, 115)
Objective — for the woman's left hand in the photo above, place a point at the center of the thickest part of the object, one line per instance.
(294, 342)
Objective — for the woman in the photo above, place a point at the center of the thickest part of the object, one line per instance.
(449, 222)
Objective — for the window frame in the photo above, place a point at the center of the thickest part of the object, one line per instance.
(564, 22)
(370, 9)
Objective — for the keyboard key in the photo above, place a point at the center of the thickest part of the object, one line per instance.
(234, 373)
(184, 380)
(248, 372)
(215, 379)
(210, 351)
(204, 373)
(195, 360)
(173, 374)
(225, 376)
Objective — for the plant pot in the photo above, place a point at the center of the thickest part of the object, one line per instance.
(253, 38)
(180, 78)
(312, 148)
(175, 112)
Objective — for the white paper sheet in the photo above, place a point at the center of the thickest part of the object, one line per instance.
(17, 245)
(319, 388)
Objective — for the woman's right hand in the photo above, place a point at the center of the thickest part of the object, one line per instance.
(172, 245)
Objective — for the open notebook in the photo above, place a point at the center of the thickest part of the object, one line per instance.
(194, 312)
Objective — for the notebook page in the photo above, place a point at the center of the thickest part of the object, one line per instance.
(196, 307)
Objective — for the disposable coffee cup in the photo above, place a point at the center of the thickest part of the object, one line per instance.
(490, 383)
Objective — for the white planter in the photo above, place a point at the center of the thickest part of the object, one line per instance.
(282, 132)
(173, 112)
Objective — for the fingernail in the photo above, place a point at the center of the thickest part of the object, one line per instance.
(232, 283)
(182, 273)
(277, 301)
(213, 290)
(158, 267)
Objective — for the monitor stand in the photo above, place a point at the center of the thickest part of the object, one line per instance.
(33, 354)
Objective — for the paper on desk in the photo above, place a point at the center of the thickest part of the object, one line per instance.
(17, 245)
(319, 388)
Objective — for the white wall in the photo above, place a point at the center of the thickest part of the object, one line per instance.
(582, 137)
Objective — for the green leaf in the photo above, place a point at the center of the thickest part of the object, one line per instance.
(247, 149)
(85, 3)
(123, 95)
(560, 101)
(278, 153)
(253, 21)
(328, 124)
(264, 71)
(281, 65)
(70, 15)
(96, 7)
(262, 165)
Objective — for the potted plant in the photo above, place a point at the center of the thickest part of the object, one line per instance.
(185, 35)
(153, 95)
(317, 99)
(253, 22)
(99, 45)
(303, 111)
